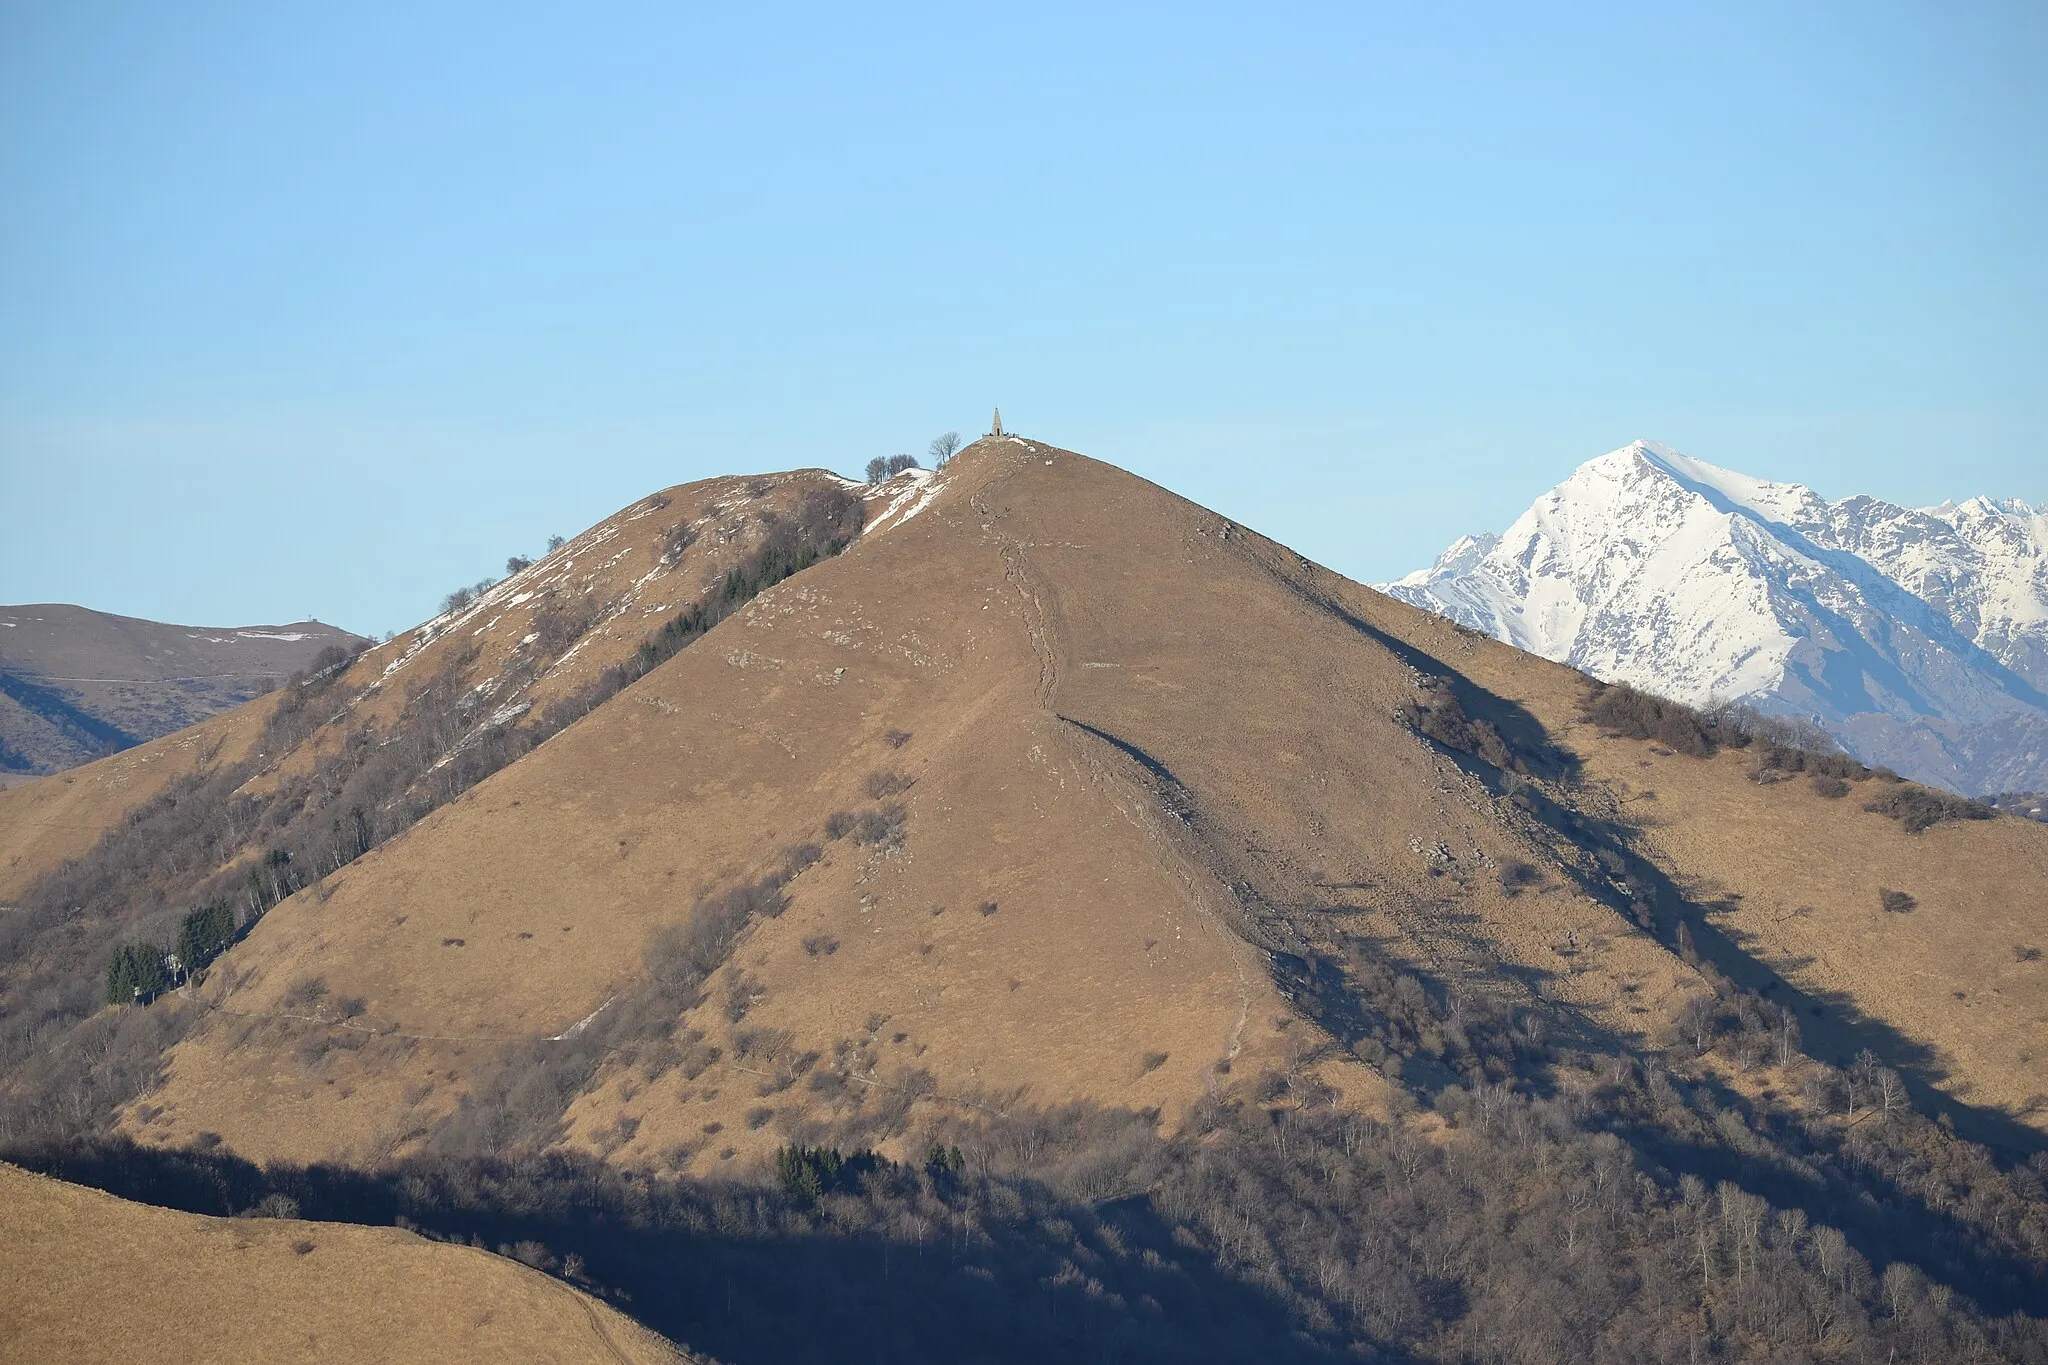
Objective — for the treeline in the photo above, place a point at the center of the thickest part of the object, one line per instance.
(824, 522)
(104, 926)
(1280, 1230)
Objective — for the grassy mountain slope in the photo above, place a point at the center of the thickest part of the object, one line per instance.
(94, 1278)
(1783, 882)
(1167, 757)
(586, 607)
(1223, 958)
(46, 822)
(251, 806)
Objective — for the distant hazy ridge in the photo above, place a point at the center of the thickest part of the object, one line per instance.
(76, 684)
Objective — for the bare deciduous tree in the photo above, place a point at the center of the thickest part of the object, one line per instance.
(1699, 1019)
(942, 448)
(1788, 1037)
(1891, 1091)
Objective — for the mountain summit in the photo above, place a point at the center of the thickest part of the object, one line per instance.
(1918, 637)
(1013, 913)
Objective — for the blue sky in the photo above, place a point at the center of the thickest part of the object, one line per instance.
(327, 309)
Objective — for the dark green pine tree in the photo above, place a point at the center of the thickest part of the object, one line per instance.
(135, 974)
(206, 934)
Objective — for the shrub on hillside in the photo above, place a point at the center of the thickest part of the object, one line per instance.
(883, 783)
(305, 993)
(1921, 808)
(298, 710)
(1624, 710)
(679, 539)
(1814, 755)
(1517, 876)
(560, 622)
(1783, 746)
(882, 826)
(1437, 714)
(682, 956)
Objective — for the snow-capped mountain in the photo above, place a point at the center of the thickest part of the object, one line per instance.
(1919, 637)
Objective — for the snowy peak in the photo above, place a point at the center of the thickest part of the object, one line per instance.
(1465, 552)
(1789, 504)
(1907, 631)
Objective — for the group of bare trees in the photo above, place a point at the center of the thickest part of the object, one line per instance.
(1261, 1231)
(940, 451)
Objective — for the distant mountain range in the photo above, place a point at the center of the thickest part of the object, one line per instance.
(1916, 636)
(76, 684)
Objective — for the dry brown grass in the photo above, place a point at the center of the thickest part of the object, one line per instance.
(1799, 874)
(94, 1278)
(1146, 737)
(589, 605)
(47, 820)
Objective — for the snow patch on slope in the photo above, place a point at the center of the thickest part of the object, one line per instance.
(919, 487)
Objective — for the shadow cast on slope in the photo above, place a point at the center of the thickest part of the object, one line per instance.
(1421, 1026)
(1524, 735)
(1288, 1232)
(1832, 1027)
(1880, 1216)
(76, 724)
(914, 1268)
(1632, 883)
(1619, 875)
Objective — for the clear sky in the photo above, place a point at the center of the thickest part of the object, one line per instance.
(327, 309)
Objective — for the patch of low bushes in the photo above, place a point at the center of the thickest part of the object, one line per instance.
(1620, 709)
(1922, 808)
(1437, 714)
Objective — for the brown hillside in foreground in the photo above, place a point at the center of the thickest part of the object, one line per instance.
(93, 1278)
(1131, 803)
